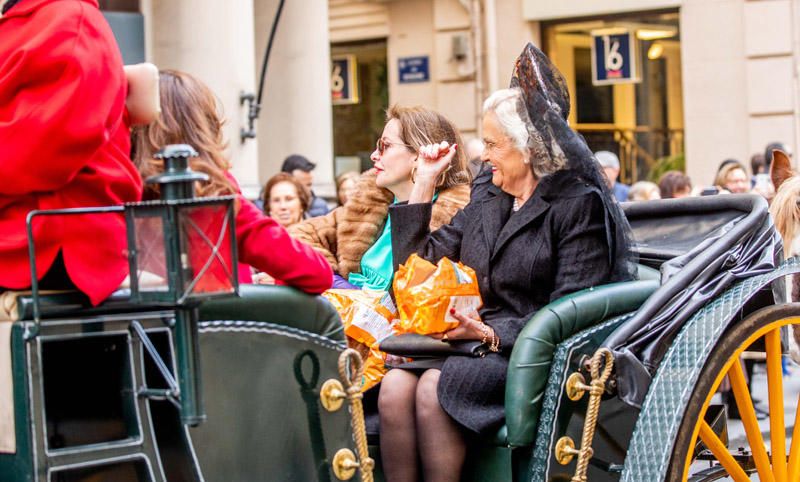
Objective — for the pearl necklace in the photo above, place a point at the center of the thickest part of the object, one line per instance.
(515, 207)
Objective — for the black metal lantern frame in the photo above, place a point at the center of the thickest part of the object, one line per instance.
(182, 251)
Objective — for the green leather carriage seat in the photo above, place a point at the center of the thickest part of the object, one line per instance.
(275, 304)
(529, 365)
(280, 305)
(646, 273)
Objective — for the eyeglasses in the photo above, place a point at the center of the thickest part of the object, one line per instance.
(382, 145)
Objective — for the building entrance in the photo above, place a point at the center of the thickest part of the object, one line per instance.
(358, 120)
(624, 78)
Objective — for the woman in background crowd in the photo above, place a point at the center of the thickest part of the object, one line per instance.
(733, 178)
(356, 238)
(644, 191)
(674, 184)
(285, 199)
(189, 115)
(345, 185)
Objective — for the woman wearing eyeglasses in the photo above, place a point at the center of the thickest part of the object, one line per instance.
(356, 237)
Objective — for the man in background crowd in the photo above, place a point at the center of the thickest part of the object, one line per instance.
(300, 167)
(610, 164)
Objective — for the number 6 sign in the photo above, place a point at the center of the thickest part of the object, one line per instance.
(614, 58)
(344, 79)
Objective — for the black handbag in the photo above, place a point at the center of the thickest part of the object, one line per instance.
(420, 346)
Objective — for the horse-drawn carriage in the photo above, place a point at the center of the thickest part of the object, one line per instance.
(198, 379)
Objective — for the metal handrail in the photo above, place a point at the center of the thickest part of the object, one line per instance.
(32, 332)
(630, 150)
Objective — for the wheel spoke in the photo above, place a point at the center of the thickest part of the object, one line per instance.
(794, 453)
(719, 450)
(775, 389)
(745, 404)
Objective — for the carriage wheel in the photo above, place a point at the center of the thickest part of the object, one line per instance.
(778, 462)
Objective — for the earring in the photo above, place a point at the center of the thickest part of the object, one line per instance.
(413, 174)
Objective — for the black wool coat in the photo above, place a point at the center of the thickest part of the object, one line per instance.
(557, 243)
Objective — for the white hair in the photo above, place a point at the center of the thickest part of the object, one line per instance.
(504, 105)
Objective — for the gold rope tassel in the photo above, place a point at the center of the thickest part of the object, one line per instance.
(350, 374)
(597, 387)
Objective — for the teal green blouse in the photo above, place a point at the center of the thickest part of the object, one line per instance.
(377, 262)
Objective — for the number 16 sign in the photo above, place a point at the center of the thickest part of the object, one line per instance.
(614, 58)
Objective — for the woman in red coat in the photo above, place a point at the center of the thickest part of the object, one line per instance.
(189, 115)
(64, 143)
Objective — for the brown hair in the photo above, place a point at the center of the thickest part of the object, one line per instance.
(420, 126)
(673, 181)
(189, 115)
(302, 194)
(341, 179)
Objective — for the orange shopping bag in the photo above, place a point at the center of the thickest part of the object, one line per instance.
(426, 293)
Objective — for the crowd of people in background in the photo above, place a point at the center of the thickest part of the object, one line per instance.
(732, 177)
(290, 205)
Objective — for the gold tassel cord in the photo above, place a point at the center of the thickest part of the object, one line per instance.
(597, 387)
(351, 367)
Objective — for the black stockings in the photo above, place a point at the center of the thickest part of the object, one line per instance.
(416, 431)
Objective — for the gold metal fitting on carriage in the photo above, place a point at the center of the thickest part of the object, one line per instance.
(576, 386)
(345, 464)
(332, 395)
(565, 450)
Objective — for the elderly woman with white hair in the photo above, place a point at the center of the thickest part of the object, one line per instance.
(546, 227)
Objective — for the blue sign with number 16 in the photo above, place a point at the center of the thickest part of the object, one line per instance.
(614, 59)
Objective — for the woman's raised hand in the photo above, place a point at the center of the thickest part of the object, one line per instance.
(432, 161)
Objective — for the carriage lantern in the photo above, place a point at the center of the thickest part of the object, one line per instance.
(181, 249)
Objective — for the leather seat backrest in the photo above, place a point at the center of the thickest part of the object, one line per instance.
(280, 305)
(529, 366)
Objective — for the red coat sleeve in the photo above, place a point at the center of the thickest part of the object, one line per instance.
(60, 100)
(265, 245)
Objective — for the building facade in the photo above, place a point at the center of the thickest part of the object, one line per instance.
(712, 79)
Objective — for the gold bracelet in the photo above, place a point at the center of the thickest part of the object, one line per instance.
(494, 343)
(485, 332)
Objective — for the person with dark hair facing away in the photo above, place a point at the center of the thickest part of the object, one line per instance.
(300, 167)
(760, 182)
(65, 140)
(190, 115)
(674, 184)
(758, 164)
